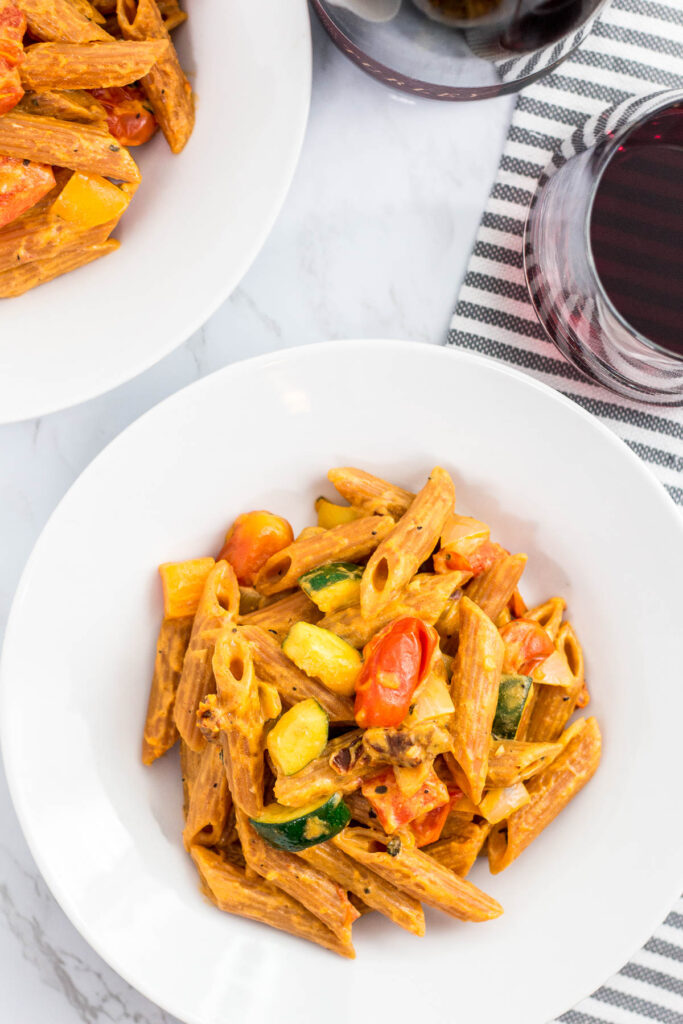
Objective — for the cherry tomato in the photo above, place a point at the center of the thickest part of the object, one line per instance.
(474, 556)
(526, 645)
(22, 184)
(129, 116)
(251, 540)
(396, 661)
(12, 29)
(394, 808)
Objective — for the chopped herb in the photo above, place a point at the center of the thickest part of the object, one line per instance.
(394, 846)
(114, 148)
(411, 709)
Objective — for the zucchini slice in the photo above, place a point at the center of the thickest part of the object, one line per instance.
(297, 828)
(322, 654)
(298, 737)
(513, 696)
(333, 586)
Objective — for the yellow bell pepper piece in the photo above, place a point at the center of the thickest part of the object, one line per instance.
(88, 200)
(330, 515)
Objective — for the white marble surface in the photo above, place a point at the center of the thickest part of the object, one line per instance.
(372, 242)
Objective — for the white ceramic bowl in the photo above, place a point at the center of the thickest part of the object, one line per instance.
(194, 226)
(79, 651)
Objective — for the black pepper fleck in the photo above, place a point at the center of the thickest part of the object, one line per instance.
(380, 789)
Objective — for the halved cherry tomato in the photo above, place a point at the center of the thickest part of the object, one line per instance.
(394, 809)
(526, 645)
(130, 118)
(22, 184)
(12, 29)
(428, 827)
(251, 540)
(476, 557)
(396, 661)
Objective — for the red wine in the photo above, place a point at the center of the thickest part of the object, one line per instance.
(636, 229)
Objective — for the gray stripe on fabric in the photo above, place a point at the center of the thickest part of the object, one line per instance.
(675, 493)
(635, 417)
(497, 286)
(645, 40)
(499, 222)
(656, 76)
(575, 1017)
(667, 460)
(662, 948)
(525, 168)
(633, 1004)
(587, 88)
(674, 920)
(656, 978)
(515, 356)
(530, 138)
(499, 253)
(650, 9)
(498, 318)
(511, 194)
(552, 111)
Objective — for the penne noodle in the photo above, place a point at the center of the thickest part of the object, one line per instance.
(234, 717)
(494, 588)
(512, 761)
(474, 689)
(418, 874)
(80, 147)
(425, 596)
(160, 732)
(460, 849)
(549, 615)
(65, 104)
(190, 762)
(349, 541)
(410, 542)
(319, 779)
(88, 65)
(43, 236)
(209, 801)
(549, 793)
(60, 20)
(87, 9)
(197, 678)
(166, 86)
(371, 888)
(273, 666)
(279, 616)
(361, 810)
(555, 705)
(228, 887)
(22, 279)
(501, 803)
(300, 880)
(370, 493)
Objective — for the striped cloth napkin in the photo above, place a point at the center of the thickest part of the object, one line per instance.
(636, 48)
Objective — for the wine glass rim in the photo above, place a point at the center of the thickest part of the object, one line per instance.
(669, 98)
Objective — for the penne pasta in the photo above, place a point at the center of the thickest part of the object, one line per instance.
(319, 779)
(494, 588)
(409, 543)
(166, 86)
(60, 20)
(160, 731)
(90, 12)
(217, 607)
(278, 617)
(231, 891)
(88, 65)
(293, 685)
(303, 882)
(512, 761)
(209, 801)
(43, 236)
(234, 717)
(474, 690)
(65, 104)
(370, 493)
(80, 147)
(418, 874)
(555, 705)
(549, 792)
(190, 762)
(372, 889)
(549, 615)
(425, 596)
(460, 849)
(21, 279)
(347, 542)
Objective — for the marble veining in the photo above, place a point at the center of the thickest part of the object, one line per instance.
(372, 242)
